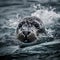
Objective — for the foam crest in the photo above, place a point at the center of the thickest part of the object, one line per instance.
(47, 15)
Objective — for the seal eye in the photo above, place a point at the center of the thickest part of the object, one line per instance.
(20, 25)
(36, 25)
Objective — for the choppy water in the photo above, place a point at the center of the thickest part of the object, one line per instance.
(11, 11)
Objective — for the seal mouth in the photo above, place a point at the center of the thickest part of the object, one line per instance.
(27, 40)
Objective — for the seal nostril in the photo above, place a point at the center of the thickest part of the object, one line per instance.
(26, 32)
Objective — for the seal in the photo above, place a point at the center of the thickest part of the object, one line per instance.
(29, 29)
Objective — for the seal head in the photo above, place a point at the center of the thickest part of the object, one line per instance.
(29, 29)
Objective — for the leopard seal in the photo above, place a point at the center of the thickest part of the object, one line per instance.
(29, 29)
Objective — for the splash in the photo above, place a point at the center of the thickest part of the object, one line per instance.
(47, 15)
(13, 22)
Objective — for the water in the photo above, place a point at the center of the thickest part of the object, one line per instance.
(10, 14)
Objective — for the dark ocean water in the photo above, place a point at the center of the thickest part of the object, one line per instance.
(11, 11)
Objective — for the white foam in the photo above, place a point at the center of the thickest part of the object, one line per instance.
(47, 15)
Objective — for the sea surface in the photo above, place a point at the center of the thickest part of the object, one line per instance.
(11, 12)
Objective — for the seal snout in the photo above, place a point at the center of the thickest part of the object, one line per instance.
(26, 36)
(26, 33)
